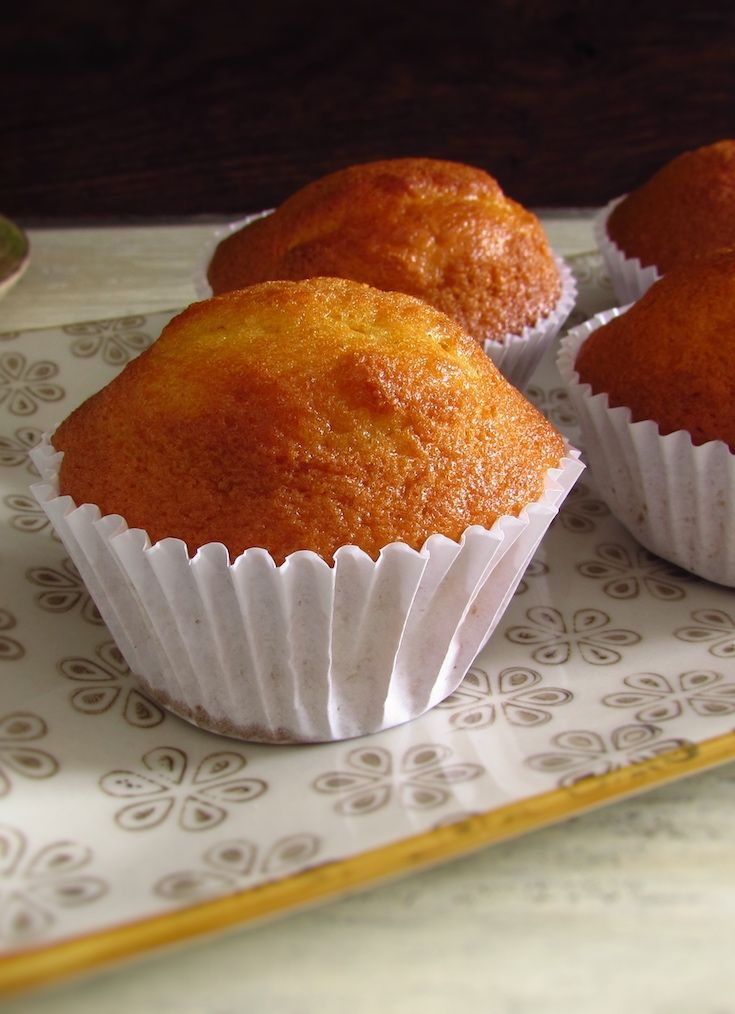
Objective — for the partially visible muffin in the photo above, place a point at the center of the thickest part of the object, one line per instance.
(671, 357)
(684, 211)
(307, 416)
(653, 387)
(438, 230)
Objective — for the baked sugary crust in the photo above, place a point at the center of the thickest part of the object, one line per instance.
(307, 416)
(438, 230)
(671, 356)
(686, 210)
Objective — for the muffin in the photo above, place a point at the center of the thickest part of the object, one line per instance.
(685, 211)
(328, 495)
(442, 231)
(654, 389)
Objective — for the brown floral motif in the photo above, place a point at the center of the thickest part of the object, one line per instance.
(104, 681)
(582, 511)
(594, 285)
(232, 865)
(554, 403)
(14, 450)
(117, 340)
(707, 693)
(534, 570)
(714, 626)
(34, 884)
(201, 797)
(17, 729)
(554, 639)
(23, 385)
(586, 754)
(627, 573)
(29, 517)
(517, 694)
(62, 591)
(423, 779)
(10, 649)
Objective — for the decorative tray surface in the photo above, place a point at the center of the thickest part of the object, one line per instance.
(123, 828)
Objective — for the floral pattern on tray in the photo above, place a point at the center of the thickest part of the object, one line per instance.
(112, 810)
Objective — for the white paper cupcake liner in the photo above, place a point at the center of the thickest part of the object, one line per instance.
(518, 355)
(630, 279)
(302, 652)
(675, 497)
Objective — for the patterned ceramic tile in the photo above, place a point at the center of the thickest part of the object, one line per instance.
(114, 811)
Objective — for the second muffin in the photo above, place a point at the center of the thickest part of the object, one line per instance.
(439, 230)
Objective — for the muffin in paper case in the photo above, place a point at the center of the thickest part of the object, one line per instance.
(516, 356)
(301, 652)
(675, 497)
(630, 279)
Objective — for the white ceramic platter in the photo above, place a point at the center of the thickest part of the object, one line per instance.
(123, 828)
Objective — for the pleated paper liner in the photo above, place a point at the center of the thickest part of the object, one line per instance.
(302, 652)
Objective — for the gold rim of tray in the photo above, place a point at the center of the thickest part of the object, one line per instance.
(46, 965)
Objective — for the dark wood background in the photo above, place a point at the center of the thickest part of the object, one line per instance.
(173, 107)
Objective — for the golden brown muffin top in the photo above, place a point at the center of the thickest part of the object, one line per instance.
(442, 231)
(671, 356)
(686, 210)
(308, 415)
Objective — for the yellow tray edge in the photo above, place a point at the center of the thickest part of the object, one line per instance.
(33, 969)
